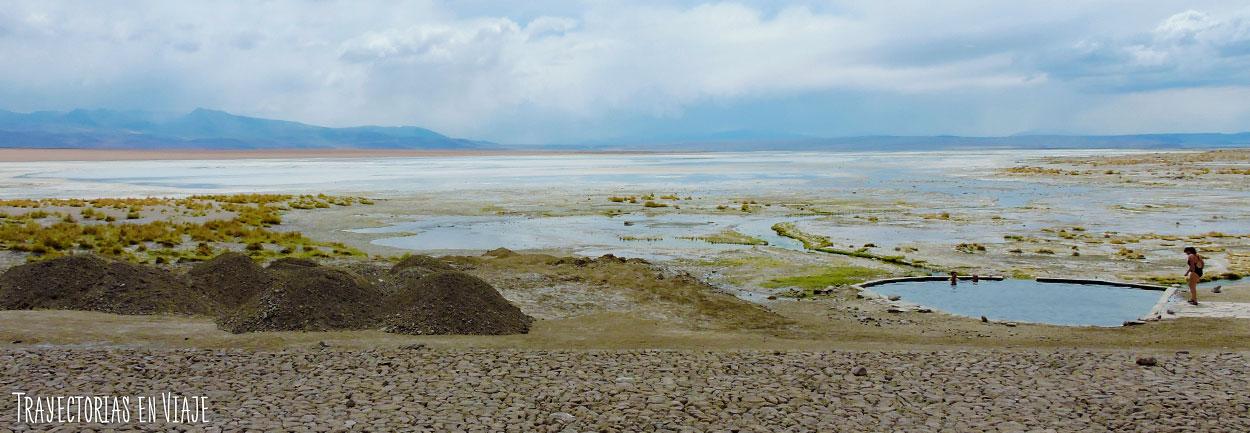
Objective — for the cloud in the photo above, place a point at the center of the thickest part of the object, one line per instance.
(1185, 27)
(1202, 109)
(569, 70)
(1187, 49)
(432, 44)
(651, 60)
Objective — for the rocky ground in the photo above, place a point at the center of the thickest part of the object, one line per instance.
(421, 389)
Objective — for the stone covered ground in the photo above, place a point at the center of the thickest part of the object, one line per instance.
(423, 389)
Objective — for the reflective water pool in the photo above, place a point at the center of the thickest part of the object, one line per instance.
(1029, 301)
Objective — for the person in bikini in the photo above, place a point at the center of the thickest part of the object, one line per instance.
(1194, 274)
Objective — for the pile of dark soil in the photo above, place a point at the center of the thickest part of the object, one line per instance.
(90, 283)
(292, 263)
(453, 302)
(229, 279)
(307, 298)
(426, 296)
(409, 270)
(376, 273)
(426, 264)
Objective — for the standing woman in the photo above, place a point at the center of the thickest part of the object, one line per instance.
(1194, 273)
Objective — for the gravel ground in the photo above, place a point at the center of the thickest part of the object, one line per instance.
(419, 389)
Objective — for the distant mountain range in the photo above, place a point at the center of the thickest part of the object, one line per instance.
(204, 129)
(212, 129)
(756, 140)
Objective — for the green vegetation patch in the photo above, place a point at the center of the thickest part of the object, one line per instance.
(809, 241)
(863, 253)
(641, 238)
(1044, 171)
(970, 248)
(246, 219)
(758, 262)
(1022, 274)
(822, 244)
(728, 237)
(839, 276)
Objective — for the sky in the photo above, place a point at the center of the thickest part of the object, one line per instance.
(548, 71)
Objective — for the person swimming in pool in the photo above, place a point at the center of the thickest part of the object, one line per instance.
(954, 278)
(1194, 274)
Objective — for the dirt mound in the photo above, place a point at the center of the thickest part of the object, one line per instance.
(292, 263)
(420, 262)
(453, 302)
(229, 279)
(91, 283)
(499, 252)
(411, 269)
(304, 298)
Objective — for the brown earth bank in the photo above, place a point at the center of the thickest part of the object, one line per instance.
(603, 303)
(437, 390)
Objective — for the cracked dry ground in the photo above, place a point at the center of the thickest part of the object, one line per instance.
(419, 389)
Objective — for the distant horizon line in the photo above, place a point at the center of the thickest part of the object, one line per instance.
(697, 136)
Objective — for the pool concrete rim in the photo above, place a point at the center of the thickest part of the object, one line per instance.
(883, 281)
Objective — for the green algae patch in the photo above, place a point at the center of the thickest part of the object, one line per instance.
(822, 244)
(641, 238)
(970, 248)
(747, 261)
(1021, 274)
(728, 237)
(839, 276)
(863, 253)
(809, 241)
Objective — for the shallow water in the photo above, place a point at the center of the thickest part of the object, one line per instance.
(589, 235)
(960, 182)
(1029, 301)
(948, 172)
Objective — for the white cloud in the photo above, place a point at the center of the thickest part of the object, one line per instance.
(1185, 26)
(654, 60)
(562, 65)
(1186, 49)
